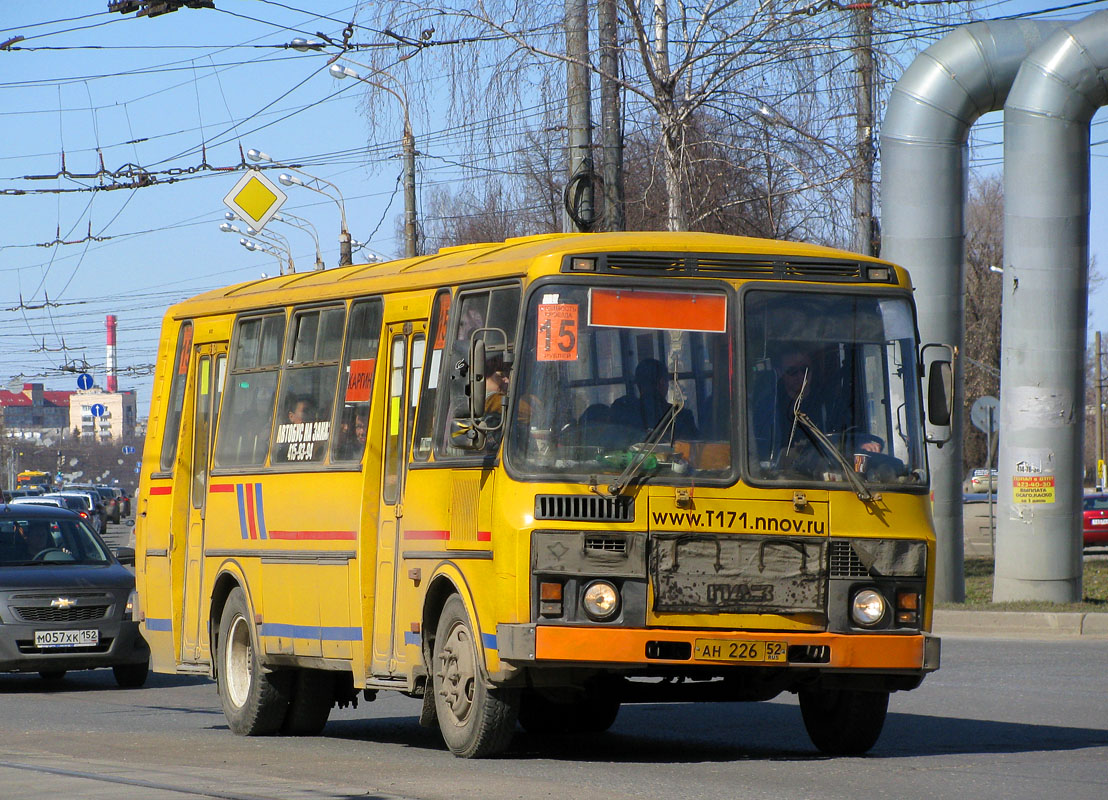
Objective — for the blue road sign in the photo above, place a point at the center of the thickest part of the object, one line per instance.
(128, 450)
(84, 381)
(98, 410)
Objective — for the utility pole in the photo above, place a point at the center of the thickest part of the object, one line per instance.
(864, 230)
(410, 232)
(611, 118)
(579, 184)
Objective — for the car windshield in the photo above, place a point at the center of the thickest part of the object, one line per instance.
(42, 540)
(616, 378)
(832, 373)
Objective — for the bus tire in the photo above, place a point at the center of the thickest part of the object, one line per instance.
(474, 720)
(313, 694)
(254, 701)
(541, 715)
(844, 722)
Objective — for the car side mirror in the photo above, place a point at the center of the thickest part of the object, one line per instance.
(126, 555)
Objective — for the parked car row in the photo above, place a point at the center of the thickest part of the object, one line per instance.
(66, 600)
(106, 503)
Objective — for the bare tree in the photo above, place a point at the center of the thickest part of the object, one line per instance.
(984, 257)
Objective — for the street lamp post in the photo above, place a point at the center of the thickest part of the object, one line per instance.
(307, 227)
(341, 71)
(253, 246)
(314, 183)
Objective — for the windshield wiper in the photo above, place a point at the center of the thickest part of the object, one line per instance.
(856, 483)
(640, 457)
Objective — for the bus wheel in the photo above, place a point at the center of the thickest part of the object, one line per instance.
(844, 722)
(313, 694)
(475, 720)
(542, 715)
(254, 701)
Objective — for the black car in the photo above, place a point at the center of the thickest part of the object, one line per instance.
(65, 600)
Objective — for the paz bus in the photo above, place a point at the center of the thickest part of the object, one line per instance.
(34, 479)
(531, 481)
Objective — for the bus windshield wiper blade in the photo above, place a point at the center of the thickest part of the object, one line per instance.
(634, 466)
(856, 483)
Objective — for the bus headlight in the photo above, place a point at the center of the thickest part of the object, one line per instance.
(868, 607)
(601, 600)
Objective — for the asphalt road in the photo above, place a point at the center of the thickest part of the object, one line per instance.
(1004, 719)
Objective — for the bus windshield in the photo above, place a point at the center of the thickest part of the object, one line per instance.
(612, 377)
(839, 365)
(609, 375)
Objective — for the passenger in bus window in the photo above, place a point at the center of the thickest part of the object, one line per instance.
(301, 409)
(353, 435)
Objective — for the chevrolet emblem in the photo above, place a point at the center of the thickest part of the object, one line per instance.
(63, 602)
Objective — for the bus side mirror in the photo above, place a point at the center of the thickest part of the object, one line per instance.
(476, 388)
(940, 392)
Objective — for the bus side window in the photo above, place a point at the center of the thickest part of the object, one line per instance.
(305, 410)
(243, 435)
(432, 374)
(359, 364)
(497, 308)
(177, 383)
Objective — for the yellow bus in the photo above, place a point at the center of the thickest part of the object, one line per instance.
(531, 481)
(34, 479)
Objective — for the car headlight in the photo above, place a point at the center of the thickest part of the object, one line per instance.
(129, 609)
(868, 607)
(601, 600)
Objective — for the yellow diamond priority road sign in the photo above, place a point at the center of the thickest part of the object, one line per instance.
(255, 199)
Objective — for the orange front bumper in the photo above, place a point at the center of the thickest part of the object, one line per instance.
(612, 646)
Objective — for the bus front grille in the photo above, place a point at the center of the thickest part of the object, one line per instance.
(584, 508)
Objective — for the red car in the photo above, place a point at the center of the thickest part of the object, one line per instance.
(1095, 525)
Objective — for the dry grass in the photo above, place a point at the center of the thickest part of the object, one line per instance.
(979, 590)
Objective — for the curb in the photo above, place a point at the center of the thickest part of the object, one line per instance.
(1020, 624)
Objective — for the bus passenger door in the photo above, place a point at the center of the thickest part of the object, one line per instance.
(406, 343)
(211, 364)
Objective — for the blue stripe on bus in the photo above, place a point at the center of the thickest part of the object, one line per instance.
(258, 510)
(489, 640)
(412, 638)
(328, 633)
(153, 624)
(242, 511)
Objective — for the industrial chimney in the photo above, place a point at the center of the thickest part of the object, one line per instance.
(109, 364)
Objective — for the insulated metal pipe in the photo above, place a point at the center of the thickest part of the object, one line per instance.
(924, 161)
(1045, 302)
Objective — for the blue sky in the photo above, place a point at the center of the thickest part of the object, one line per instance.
(183, 96)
